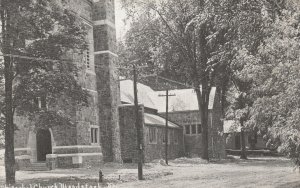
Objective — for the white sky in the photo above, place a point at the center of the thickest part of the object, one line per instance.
(120, 14)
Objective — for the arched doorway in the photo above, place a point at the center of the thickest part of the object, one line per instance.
(43, 144)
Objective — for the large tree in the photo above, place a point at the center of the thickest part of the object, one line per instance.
(274, 71)
(194, 42)
(253, 26)
(35, 38)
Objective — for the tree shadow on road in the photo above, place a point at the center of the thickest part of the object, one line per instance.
(295, 184)
(258, 161)
(37, 182)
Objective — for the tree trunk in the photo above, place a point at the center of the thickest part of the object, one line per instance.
(9, 137)
(10, 170)
(243, 143)
(203, 108)
(201, 76)
(9, 125)
(204, 122)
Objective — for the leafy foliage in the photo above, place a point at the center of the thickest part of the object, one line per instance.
(40, 30)
(45, 30)
(274, 71)
(253, 44)
(192, 41)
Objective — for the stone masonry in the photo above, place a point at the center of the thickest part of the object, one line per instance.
(107, 77)
(128, 134)
(192, 142)
(73, 146)
(151, 151)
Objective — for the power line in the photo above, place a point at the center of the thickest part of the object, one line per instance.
(125, 68)
(34, 58)
(190, 87)
(176, 82)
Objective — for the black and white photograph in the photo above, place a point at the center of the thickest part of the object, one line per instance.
(150, 93)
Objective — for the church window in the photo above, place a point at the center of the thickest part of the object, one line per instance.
(193, 128)
(94, 135)
(187, 129)
(152, 135)
(87, 59)
(199, 128)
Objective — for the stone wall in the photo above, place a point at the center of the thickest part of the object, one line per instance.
(193, 145)
(193, 142)
(71, 144)
(107, 78)
(104, 10)
(185, 117)
(151, 150)
(79, 161)
(128, 131)
(157, 150)
(101, 82)
(22, 132)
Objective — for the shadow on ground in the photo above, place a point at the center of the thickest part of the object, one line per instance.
(295, 184)
(57, 181)
(256, 161)
(265, 162)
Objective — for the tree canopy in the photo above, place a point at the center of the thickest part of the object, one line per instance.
(43, 31)
(36, 40)
(194, 42)
(274, 71)
(249, 49)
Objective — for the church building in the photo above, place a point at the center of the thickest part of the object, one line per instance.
(82, 144)
(105, 131)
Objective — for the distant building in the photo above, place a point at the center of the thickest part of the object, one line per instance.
(153, 129)
(105, 131)
(232, 132)
(184, 111)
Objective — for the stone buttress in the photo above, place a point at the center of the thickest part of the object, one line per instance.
(107, 78)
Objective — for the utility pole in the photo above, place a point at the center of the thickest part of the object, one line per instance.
(137, 125)
(243, 144)
(167, 120)
(137, 115)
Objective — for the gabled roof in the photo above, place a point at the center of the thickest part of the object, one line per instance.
(185, 99)
(145, 94)
(152, 119)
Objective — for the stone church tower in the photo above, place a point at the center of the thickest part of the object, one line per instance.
(107, 77)
(94, 138)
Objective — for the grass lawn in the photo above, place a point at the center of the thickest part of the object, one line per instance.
(254, 172)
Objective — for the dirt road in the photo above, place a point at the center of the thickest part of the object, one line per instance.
(256, 172)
